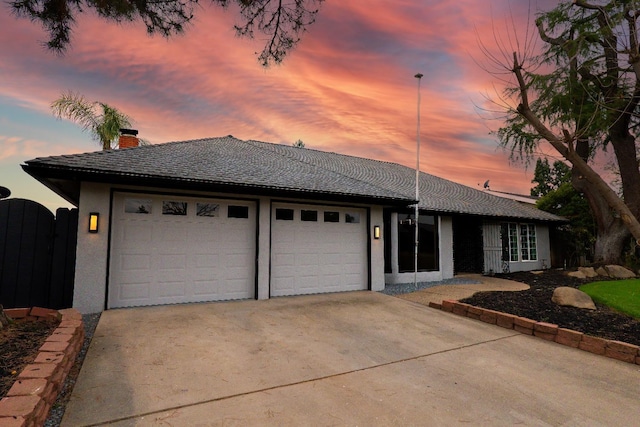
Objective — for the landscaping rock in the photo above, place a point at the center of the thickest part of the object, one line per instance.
(588, 271)
(565, 295)
(536, 303)
(577, 274)
(619, 272)
(602, 272)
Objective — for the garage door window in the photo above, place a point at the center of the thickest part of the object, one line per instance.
(352, 218)
(306, 215)
(174, 208)
(207, 209)
(138, 206)
(331, 216)
(284, 214)
(238, 211)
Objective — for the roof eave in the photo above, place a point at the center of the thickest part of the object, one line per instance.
(64, 186)
(557, 219)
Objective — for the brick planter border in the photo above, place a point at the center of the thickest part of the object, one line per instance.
(614, 349)
(30, 398)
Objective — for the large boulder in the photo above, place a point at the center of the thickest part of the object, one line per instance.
(572, 297)
(619, 272)
(602, 272)
(588, 271)
(577, 274)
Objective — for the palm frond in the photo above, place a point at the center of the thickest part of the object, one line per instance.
(76, 108)
(101, 120)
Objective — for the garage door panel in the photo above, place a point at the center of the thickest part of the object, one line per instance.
(203, 261)
(167, 274)
(284, 260)
(134, 291)
(237, 262)
(308, 282)
(134, 262)
(351, 260)
(286, 286)
(205, 275)
(332, 259)
(233, 239)
(205, 287)
(287, 271)
(136, 232)
(234, 288)
(316, 256)
(203, 234)
(307, 260)
(170, 261)
(171, 289)
(159, 259)
(171, 234)
(135, 279)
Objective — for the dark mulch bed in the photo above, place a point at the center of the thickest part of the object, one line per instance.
(19, 344)
(536, 304)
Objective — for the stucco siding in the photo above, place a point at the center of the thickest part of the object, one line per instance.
(91, 257)
(377, 250)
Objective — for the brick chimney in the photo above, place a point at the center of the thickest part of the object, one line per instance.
(128, 138)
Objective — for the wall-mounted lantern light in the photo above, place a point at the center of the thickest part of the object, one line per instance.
(93, 222)
(376, 232)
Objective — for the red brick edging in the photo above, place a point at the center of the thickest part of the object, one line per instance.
(548, 331)
(30, 398)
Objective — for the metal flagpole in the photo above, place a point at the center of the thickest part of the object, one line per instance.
(417, 240)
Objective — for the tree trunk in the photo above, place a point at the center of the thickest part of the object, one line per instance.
(611, 232)
(610, 244)
(624, 147)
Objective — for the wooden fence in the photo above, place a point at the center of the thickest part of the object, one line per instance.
(37, 255)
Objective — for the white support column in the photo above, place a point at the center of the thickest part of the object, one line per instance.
(91, 251)
(394, 243)
(377, 250)
(264, 252)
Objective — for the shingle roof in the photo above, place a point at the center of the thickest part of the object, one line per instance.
(253, 164)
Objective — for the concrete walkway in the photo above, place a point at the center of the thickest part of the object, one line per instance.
(357, 358)
(458, 292)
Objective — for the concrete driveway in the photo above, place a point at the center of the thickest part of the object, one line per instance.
(358, 358)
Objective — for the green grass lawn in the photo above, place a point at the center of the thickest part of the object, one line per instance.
(621, 295)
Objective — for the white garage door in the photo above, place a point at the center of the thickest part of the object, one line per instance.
(171, 249)
(318, 249)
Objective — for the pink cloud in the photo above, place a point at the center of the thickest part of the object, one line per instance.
(348, 87)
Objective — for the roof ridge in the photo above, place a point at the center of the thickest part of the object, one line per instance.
(327, 152)
(309, 163)
(210, 138)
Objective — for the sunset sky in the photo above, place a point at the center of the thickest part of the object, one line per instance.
(349, 87)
